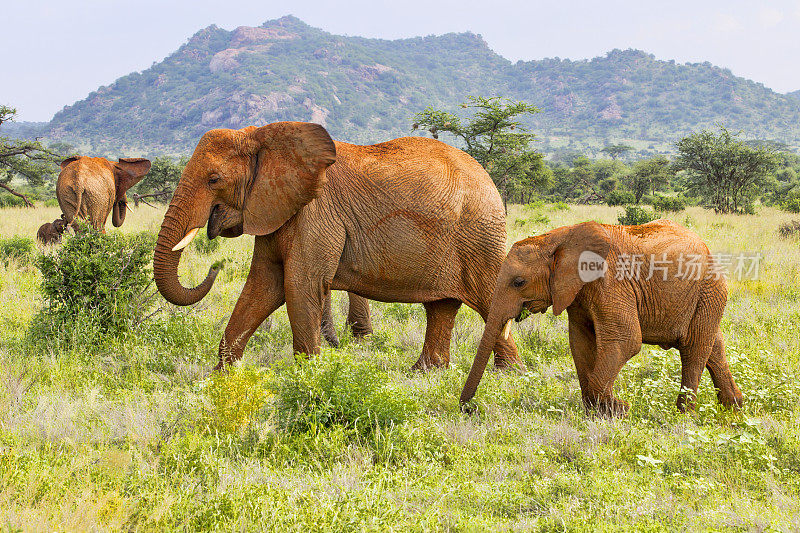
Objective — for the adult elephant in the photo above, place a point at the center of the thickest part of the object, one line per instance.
(621, 286)
(91, 188)
(409, 220)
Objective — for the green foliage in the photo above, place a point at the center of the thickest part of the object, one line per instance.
(204, 245)
(8, 200)
(16, 248)
(669, 204)
(635, 215)
(96, 279)
(648, 175)
(164, 174)
(496, 138)
(792, 202)
(235, 397)
(616, 150)
(337, 389)
(620, 197)
(24, 159)
(727, 172)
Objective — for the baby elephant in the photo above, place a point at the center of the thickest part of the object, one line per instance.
(621, 286)
(51, 232)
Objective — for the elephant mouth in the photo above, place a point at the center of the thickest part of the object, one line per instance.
(529, 308)
(224, 221)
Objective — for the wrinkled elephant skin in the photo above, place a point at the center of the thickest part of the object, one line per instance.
(91, 188)
(409, 220)
(614, 306)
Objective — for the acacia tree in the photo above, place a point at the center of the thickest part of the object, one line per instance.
(27, 159)
(648, 174)
(496, 138)
(723, 169)
(616, 150)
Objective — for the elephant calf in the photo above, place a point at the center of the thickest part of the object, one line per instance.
(51, 232)
(621, 285)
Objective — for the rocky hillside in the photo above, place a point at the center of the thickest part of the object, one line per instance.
(366, 90)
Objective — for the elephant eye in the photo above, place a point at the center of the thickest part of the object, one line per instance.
(213, 179)
(518, 282)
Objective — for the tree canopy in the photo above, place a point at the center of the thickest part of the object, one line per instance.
(496, 138)
(725, 170)
(25, 159)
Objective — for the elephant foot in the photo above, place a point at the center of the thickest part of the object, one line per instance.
(501, 363)
(731, 400)
(607, 407)
(360, 332)
(429, 361)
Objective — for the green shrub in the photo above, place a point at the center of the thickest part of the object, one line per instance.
(669, 204)
(204, 245)
(96, 280)
(235, 397)
(792, 203)
(9, 200)
(559, 206)
(17, 248)
(635, 215)
(337, 390)
(51, 202)
(534, 205)
(620, 197)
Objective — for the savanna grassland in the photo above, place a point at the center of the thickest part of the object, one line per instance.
(132, 432)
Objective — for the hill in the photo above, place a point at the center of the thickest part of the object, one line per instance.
(366, 90)
(795, 95)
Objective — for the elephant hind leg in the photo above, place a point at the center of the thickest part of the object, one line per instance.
(728, 392)
(358, 316)
(440, 318)
(327, 325)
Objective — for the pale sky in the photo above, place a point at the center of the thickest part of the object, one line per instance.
(54, 52)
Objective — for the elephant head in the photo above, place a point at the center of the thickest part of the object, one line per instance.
(127, 173)
(59, 225)
(240, 181)
(538, 272)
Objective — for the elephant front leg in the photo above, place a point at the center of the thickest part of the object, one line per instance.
(262, 294)
(304, 305)
(597, 372)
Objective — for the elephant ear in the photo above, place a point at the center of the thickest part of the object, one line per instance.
(127, 173)
(68, 160)
(565, 279)
(288, 171)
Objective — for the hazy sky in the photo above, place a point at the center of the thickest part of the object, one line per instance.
(55, 52)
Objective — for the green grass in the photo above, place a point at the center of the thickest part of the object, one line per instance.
(135, 434)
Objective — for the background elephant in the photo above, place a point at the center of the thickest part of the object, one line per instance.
(51, 232)
(661, 302)
(92, 187)
(358, 319)
(409, 220)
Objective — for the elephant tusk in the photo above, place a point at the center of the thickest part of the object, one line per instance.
(186, 240)
(507, 330)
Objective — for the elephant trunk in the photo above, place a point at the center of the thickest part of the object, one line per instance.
(118, 212)
(495, 325)
(165, 262)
